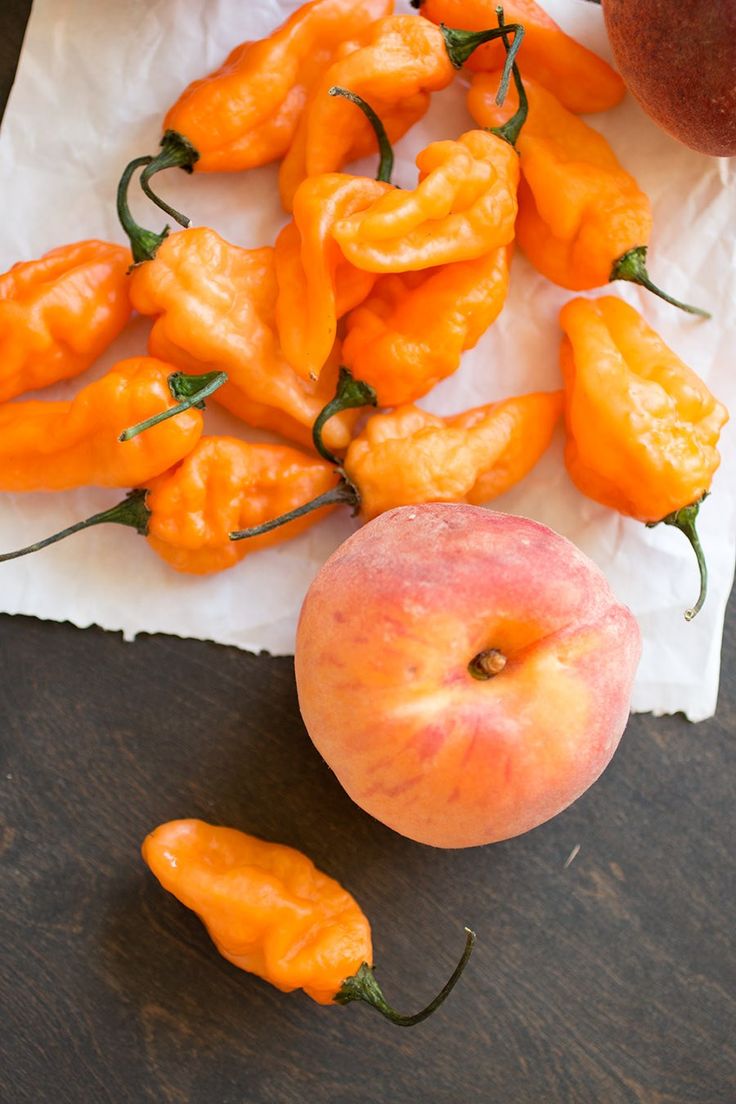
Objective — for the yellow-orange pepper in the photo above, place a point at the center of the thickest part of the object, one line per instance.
(583, 220)
(59, 313)
(642, 427)
(270, 911)
(412, 330)
(403, 60)
(188, 512)
(316, 284)
(463, 207)
(215, 308)
(54, 446)
(408, 456)
(581, 80)
(246, 112)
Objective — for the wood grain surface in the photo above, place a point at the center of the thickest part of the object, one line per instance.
(610, 980)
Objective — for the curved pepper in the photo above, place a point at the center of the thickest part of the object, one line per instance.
(408, 456)
(54, 446)
(463, 207)
(642, 427)
(403, 60)
(59, 313)
(270, 911)
(246, 112)
(581, 80)
(215, 308)
(412, 330)
(188, 512)
(316, 284)
(583, 221)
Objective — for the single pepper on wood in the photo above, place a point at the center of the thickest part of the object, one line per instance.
(270, 911)
(54, 446)
(408, 456)
(642, 427)
(412, 330)
(583, 220)
(59, 313)
(581, 80)
(188, 512)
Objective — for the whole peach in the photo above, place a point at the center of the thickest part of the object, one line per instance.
(465, 673)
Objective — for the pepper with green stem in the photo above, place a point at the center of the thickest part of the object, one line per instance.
(407, 456)
(583, 220)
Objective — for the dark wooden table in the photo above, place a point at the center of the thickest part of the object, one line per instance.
(608, 981)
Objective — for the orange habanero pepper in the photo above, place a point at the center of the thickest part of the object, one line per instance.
(215, 307)
(583, 221)
(642, 427)
(316, 284)
(581, 80)
(270, 911)
(54, 446)
(410, 333)
(245, 113)
(59, 313)
(463, 207)
(188, 512)
(408, 456)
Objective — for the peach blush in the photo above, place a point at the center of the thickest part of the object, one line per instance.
(467, 674)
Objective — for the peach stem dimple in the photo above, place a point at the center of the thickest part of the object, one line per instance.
(487, 664)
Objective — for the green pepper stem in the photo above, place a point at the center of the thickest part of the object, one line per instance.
(191, 390)
(363, 986)
(385, 149)
(632, 266)
(344, 492)
(131, 511)
(144, 243)
(461, 44)
(177, 152)
(350, 393)
(684, 519)
(510, 130)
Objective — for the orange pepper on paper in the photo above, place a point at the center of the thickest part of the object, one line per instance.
(59, 313)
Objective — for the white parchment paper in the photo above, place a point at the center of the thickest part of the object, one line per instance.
(94, 80)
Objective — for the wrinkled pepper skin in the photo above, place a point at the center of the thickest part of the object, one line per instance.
(408, 456)
(215, 308)
(316, 284)
(581, 80)
(411, 332)
(59, 313)
(266, 907)
(579, 211)
(55, 446)
(246, 112)
(463, 207)
(403, 60)
(642, 427)
(225, 484)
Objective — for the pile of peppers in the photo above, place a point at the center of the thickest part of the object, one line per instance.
(329, 335)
